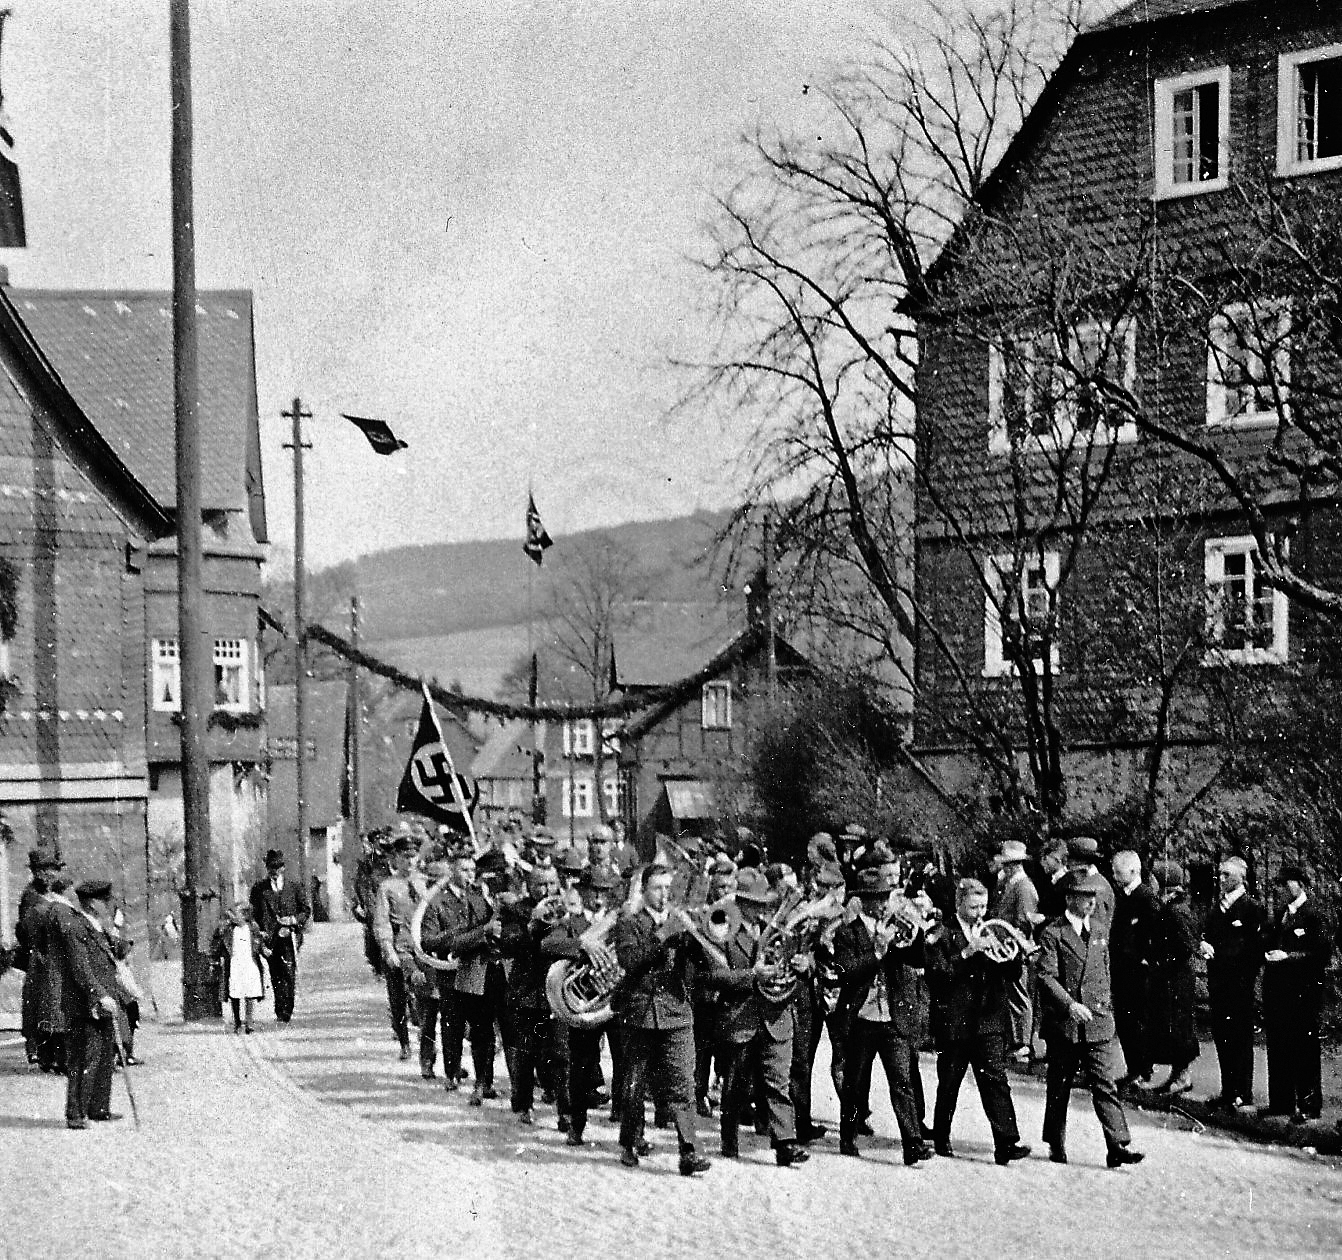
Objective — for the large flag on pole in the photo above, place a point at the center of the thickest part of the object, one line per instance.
(378, 432)
(431, 786)
(537, 538)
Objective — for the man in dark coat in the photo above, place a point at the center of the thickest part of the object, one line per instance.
(880, 998)
(45, 865)
(655, 946)
(89, 995)
(971, 1019)
(1297, 949)
(1232, 944)
(526, 924)
(755, 1025)
(1018, 904)
(1083, 854)
(1079, 1022)
(1134, 948)
(281, 911)
(1174, 1035)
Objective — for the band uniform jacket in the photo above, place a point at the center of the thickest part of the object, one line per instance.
(269, 906)
(1071, 970)
(857, 964)
(1297, 980)
(1017, 902)
(745, 1011)
(659, 975)
(1236, 936)
(969, 995)
(454, 924)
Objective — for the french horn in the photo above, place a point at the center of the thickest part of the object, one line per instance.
(1005, 941)
(417, 926)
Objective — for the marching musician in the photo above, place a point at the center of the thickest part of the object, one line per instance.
(879, 996)
(756, 1020)
(461, 924)
(972, 1022)
(393, 908)
(814, 1007)
(707, 999)
(602, 890)
(655, 947)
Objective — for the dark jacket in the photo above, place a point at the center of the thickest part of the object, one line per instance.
(969, 995)
(1018, 903)
(745, 1011)
(659, 975)
(269, 907)
(1072, 971)
(855, 958)
(1135, 937)
(455, 924)
(1173, 994)
(521, 941)
(1298, 978)
(1237, 937)
(88, 967)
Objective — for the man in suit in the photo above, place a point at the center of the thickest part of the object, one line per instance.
(814, 1005)
(1083, 854)
(707, 1000)
(971, 1020)
(755, 1025)
(460, 924)
(1018, 904)
(1134, 949)
(880, 999)
(280, 908)
(655, 946)
(1297, 950)
(1052, 872)
(41, 1046)
(89, 997)
(1232, 944)
(1079, 1022)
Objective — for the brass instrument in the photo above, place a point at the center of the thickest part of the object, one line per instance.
(579, 990)
(785, 936)
(550, 910)
(417, 925)
(1005, 941)
(903, 921)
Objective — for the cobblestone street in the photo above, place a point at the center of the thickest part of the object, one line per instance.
(315, 1140)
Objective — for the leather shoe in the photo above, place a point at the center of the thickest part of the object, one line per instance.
(477, 1098)
(563, 1124)
(490, 1092)
(1057, 1153)
(105, 1115)
(812, 1133)
(1179, 1084)
(786, 1154)
(917, 1154)
(850, 1148)
(1120, 1155)
(642, 1148)
(944, 1149)
(1297, 1117)
(926, 1133)
(690, 1163)
(628, 1158)
(427, 1072)
(76, 1124)
(405, 1054)
(864, 1129)
(1007, 1154)
(575, 1138)
(729, 1150)
(525, 1117)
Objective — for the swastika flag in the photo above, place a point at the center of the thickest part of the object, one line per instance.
(431, 785)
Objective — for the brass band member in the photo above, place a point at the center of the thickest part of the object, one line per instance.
(813, 1009)
(879, 995)
(658, 958)
(755, 1022)
(708, 1001)
(972, 1022)
(1079, 1021)
(393, 908)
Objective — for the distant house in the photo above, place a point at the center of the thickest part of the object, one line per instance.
(98, 365)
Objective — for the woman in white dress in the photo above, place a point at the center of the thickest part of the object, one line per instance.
(238, 949)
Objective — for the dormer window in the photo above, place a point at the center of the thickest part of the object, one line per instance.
(1192, 132)
(1309, 111)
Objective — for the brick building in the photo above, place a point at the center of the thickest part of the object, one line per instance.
(1092, 594)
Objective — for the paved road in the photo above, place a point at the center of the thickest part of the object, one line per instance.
(314, 1140)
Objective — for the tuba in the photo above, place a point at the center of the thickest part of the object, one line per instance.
(417, 926)
(579, 990)
(1006, 942)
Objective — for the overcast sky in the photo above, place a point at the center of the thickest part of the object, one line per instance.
(472, 220)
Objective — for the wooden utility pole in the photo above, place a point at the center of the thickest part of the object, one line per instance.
(355, 724)
(769, 608)
(298, 415)
(195, 650)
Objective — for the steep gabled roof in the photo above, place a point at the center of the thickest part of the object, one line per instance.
(1142, 11)
(667, 641)
(113, 350)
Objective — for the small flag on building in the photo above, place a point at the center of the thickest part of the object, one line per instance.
(378, 432)
(12, 233)
(537, 538)
(431, 786)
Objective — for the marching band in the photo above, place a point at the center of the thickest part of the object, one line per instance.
(712, 982)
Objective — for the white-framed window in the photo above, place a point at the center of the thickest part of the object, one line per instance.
(715, 713)
(1100, 351)
(1247, 620)
(612, 788)
(579, 738)
(577, 802)
(1249, 364)
(1309, 110)
(1192, 139)
(230, 675)
(1019, 612)
(165, 675)
(1020, 395)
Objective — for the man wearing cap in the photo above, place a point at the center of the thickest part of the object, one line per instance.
(1135, 945)
(708, 1000)
(280, 908)
(89, 996)
(393, 908)
(754, 1027)
(1297, 948)
(1083, 854)
(879, 996)
(1232, 944)
(1079, 1022)
(972, 1021)
(819, 991)
(1018, 904)
(1174, 1036)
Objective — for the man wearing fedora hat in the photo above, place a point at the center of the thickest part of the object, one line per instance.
(1083, 854)
(281, 910)
(1079, 1022)
(1018, 904)
(1297, 947)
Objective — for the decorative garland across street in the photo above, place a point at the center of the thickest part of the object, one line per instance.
(451, 700)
